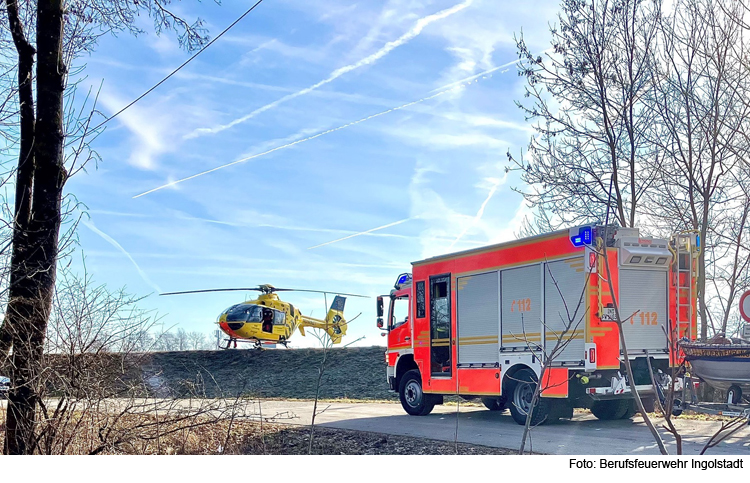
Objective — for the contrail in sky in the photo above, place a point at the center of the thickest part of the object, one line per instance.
(452, 88)
(481, 74)
(385, 50)
(114, 243)
(363, 232)
(310, 138)
(479, 215)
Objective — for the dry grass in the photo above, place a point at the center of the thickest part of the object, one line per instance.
(252, 437)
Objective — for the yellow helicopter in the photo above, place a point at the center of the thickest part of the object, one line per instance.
(270, 320)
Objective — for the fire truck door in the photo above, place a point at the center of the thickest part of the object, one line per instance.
(399, 328)
(441, 346)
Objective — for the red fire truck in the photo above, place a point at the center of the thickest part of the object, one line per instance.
(479, 323)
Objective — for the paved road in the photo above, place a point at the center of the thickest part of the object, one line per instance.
(584, 434)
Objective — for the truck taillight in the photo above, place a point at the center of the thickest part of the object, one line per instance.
(592, 355)
(592, 259)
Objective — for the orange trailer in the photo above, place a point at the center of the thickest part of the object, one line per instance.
(489, 322)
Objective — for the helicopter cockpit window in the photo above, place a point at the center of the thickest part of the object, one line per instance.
(244, 313)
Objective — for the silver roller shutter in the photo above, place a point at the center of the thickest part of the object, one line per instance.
(521, 300)
(478, 322)
(570, 277)
(646, 292)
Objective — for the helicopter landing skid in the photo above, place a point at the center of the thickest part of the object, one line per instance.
(257, 344)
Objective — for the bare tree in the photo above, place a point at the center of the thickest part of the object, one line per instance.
(586, 98)
(562, 335)
(93, 395)
(324, 339)
(50, 36)
(197, 340)
(701, 116)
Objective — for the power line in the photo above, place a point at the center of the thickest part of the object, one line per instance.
(180, 67)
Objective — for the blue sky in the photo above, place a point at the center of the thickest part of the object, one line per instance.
(433, 171)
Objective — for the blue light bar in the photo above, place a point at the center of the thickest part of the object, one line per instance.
(577, 241)
(403, 279)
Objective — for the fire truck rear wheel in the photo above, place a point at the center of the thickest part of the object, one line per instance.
(413, 399)
(630, 410)
(494, 403)
(522, 387)
(610, 409)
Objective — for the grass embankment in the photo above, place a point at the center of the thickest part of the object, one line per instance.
(355, 373)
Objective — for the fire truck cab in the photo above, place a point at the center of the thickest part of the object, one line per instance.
(490, 322)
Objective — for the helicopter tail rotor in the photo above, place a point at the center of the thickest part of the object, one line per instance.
(335, 323)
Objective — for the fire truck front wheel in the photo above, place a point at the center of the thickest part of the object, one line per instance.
(413, 399)
(523, 384)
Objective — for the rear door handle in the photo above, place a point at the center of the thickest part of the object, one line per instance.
(407, 338)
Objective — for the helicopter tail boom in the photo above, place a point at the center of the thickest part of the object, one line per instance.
(334, 323)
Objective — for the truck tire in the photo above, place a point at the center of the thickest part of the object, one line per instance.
(413, 399)
(630, 411)
(494, 403)
(522, 387)
(610, 409)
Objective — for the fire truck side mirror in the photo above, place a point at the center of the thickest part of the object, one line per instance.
(380, 308)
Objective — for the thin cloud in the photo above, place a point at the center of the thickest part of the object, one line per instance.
(484, 74)
(113, 242)
(385, 50)
(479, 214)
(363, 232)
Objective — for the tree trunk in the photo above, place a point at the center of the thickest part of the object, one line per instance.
(25, 170)
(37, 268)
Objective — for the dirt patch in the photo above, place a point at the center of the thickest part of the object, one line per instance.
(295, 440)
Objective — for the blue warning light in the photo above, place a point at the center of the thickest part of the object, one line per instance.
(584, 237)
(697, 241)
(403, 279)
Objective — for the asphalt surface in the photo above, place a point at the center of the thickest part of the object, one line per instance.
(583, 435)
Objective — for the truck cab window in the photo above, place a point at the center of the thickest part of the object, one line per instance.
(400, 312)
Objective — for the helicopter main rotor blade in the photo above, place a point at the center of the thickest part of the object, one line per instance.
(332, 292)
(212, 290)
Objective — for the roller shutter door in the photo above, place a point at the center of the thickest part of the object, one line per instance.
(570, 277)
(646, 292)
(478, 318)
(521, 301)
